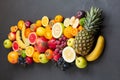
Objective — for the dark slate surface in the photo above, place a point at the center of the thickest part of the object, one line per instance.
(105, 68)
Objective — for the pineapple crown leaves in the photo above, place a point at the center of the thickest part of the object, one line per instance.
(93, 19)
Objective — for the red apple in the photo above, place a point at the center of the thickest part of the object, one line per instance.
(52, 43)
(12, 36)
(29, 60)
(41, 44)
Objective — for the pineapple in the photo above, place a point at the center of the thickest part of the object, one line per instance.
(85, 39)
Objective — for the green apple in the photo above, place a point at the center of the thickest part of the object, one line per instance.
(7, 43)
(43, 58)
(70, 42)
(80, 62)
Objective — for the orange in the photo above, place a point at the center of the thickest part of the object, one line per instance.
(47, 28)
(67, 32)
(36, 58)
(45, 21)
(29, 51)
(13, 57)
(27, 32)
(49, 53)
(13, 28)
(80, 28)
(58, 18)
(48, 34)
(20, 24)
(38, 23)
(74, 31)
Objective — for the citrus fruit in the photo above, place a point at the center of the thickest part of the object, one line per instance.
(45, 21)
(40, 31)
(58, 18)
(13, 28)
(36, 58)
(74, 31)
(66, 22)
(13, 57)
(68, 54)
(38, 23)
(57, 30)
(67, 32)
(27, 32)
(49, 53)
(15, 46)
(32, 37)
(48, 34)
(20, 24)
(29, 51)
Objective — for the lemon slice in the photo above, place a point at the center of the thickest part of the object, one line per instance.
(68, 54)
(29, 51)
(45, 21)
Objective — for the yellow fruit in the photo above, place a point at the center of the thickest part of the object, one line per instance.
(29, 51)
(38, 23)
(20, 24)
(67, 32)
(13, 57)
(36, 58)
(13, 28)
(59, 18)
(19, 41)
(40, 31)
(97, 50)
(45, 21)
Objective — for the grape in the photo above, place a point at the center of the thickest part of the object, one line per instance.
(60, 51)
(56, 50)
(60, 39)
(57, 42)
(65, 44)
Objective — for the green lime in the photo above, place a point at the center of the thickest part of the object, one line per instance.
(82, 21)
(23, 54)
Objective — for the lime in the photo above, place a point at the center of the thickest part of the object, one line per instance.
(82, 21)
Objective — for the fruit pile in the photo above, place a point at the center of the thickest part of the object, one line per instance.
(64, 41)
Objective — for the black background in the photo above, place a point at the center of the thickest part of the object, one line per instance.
(105, 68)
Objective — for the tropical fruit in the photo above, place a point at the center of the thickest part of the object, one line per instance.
(67, 32)
(57, 30)
(13, 57)
(45, 21)
(29, 51)
(49, 53)
(85, 39)
(68, 54)
(32, 37)
(15, 46)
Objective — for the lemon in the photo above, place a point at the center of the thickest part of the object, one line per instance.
(40, 31)
(45, 21)
(29, 51)
(68, 54)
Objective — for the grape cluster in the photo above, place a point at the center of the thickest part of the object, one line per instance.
(62, 64)
(22, 61)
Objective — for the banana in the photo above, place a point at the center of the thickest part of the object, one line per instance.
(25, 40)
(19, 41)
(97, 50)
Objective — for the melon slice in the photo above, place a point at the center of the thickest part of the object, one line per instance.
(15, 46)
(32, 38)
(57, 30)
(68, 54)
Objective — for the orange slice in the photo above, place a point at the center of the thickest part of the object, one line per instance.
(29, 51)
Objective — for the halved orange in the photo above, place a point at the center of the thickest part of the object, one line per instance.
(29, 51)
(36, 58)
(45, 21)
